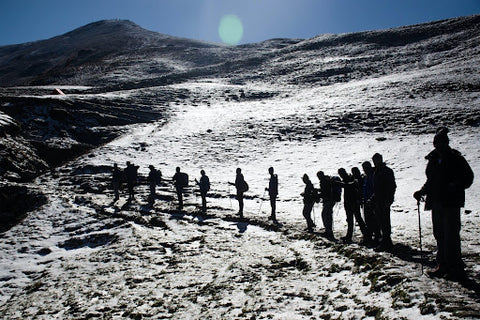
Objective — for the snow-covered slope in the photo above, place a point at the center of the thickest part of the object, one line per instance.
(298, 105)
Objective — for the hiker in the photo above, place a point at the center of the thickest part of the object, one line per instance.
(154, 178)
(309, 196)
(273, 192)
(351, 204)
(368, 205)
(204, 186)
(180, 181)
(330, 193)
(448, 175)
(242, 187)
(131, 174)
(384, 187)
(116, 181)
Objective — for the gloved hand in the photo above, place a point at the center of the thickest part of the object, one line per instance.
(418, 195)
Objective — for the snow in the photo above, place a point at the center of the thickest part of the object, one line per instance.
(80, 256)
(221, 267)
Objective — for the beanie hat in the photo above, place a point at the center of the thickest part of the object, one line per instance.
(441, 135)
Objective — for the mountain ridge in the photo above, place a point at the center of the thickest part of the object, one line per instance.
(121, 50)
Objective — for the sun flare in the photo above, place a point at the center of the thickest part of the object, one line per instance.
(230, 29)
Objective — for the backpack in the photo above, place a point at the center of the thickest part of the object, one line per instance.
(158, 177)
(245, 186)
(336, 189)
(182, 179)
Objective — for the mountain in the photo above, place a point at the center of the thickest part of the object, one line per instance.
(115, 73)
(120, 53)
(112, 92)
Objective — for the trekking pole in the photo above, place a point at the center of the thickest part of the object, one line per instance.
(313, 211)
(261, 202)
(229, 197)
(420, 234)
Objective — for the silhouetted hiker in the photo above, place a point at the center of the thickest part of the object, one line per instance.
(180, 180)
(368, 204)
(116, 181)
(309, 197)
(384, 187)
(330, 194)
(448, 175)
(204, 186)
(351, 204)
(131, 174)
(273, 192)
(242, 187)
(154, 178)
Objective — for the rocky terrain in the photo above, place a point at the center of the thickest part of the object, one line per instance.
(300, 105)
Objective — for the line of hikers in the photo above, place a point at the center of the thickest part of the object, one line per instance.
(373, 191)
(448, 175)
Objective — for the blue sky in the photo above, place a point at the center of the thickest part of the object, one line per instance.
(30, 20)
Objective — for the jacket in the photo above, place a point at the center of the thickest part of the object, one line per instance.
(384, 185)
(447, 179)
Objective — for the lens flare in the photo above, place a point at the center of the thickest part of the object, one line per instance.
(230, 29)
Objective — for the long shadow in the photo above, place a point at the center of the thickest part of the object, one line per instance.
(409, 254)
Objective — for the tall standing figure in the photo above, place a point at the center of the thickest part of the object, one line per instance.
(180, 181)
(131, 173)
(309, 197)
(448, 175)
(154, 178)
(273, 192)
(204, 186)
(116, 181)
(384, 187)
(369, 205)
(329, 194)
(242, 187)
(351, 205)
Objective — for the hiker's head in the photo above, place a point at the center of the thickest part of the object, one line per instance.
(128, 163)
(320, 175)
(356, 172)
(177, 169)
(367, 167)
(202, 172)
(115, 165)
(305, 178)
(270, 170)
(343, 173)
(151, 167)
(441, 141)
(239, 170)
(377, 159)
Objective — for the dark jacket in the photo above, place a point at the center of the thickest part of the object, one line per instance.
(367, 188)
(273, 186)
(447, 179)
(309, 194)
(131, 173)
(384, 185)
(204, 184)
(350, 187)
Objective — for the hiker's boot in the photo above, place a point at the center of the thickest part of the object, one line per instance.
(438, 272)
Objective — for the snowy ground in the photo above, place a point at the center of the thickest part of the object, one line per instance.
(80, 257)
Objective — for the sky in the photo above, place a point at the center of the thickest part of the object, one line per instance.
(229, 21)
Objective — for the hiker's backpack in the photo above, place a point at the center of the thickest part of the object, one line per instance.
(158, 177)
(336, 189)
(245, 186)
(182, 179)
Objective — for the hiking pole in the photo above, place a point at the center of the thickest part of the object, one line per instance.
(229, 197)
(261, 202)
(313, 211)
(420, 234)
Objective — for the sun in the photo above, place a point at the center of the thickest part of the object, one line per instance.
(230, 29)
